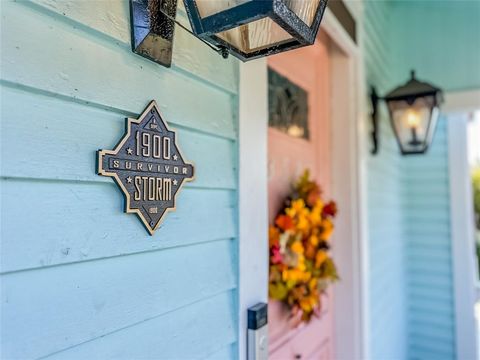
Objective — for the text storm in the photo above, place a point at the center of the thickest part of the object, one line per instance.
(147, 166)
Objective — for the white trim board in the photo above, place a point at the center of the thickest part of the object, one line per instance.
(461, 101)
(252, 195)
(463, 250)
(348, 185)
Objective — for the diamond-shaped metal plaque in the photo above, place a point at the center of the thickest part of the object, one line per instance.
(147, 166)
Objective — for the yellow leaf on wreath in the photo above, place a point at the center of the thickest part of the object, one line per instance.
(320, 258)
(277, 291)
(327, 229)
(297, 247)
(306, 305)
(295, 208)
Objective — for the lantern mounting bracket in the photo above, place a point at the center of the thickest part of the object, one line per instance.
(152, 30)
(374, 98)
(153, 26)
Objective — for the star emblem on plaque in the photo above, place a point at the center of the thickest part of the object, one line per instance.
(148, 167)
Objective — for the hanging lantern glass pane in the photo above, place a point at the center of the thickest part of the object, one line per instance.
(256, 36)
(414, 124)
(211, 7)
(304, 9)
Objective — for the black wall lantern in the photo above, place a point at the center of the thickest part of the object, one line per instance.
(247, 29)
(414, 110)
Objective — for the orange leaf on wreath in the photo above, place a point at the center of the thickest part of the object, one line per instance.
(284, 222)
(273, 236)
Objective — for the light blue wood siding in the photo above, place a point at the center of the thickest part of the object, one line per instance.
(441, 41)
(431, 318)
(387, 308)
(81, 279)
(412, 305)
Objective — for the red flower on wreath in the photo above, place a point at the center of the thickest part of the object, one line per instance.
(330, 209)
(276, 256)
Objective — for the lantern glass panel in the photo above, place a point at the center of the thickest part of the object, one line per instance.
(414, 123)
(257, 35)
(211, 7)
(304, 9)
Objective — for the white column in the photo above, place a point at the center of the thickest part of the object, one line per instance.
(253, 217)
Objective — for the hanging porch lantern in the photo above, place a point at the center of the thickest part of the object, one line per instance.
(251, 29)
(414, 110)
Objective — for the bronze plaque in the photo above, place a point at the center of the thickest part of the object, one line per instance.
(147, 166)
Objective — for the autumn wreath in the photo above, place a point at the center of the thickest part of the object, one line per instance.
(300, 265)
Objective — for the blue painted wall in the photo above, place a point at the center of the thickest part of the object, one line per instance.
(428, 248)
(412, 306)
(80, 279)
(387, 308)
(441, 41)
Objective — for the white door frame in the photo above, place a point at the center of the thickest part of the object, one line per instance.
(347, 184)
(348, 159)
(252, 194)
(457, 108)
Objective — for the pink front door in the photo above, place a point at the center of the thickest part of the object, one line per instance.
(287, 158)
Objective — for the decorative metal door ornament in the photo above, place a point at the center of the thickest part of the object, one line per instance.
(147, 166)
(288, 106)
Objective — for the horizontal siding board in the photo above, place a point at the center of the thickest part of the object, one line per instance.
(113, 78)
(80, 302)
(427, 319)
(435, 281)
(440, 333)
(427, 353)
(427, 231)
(188, 333)
(429, 267)
(426, 204)
(432, 348)
(444, 308)
(72, 222)
(430, 293)
(112, 18)
(426, 189)
(48, 138)
(424, 254)
(433, 214)
(225, 353)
